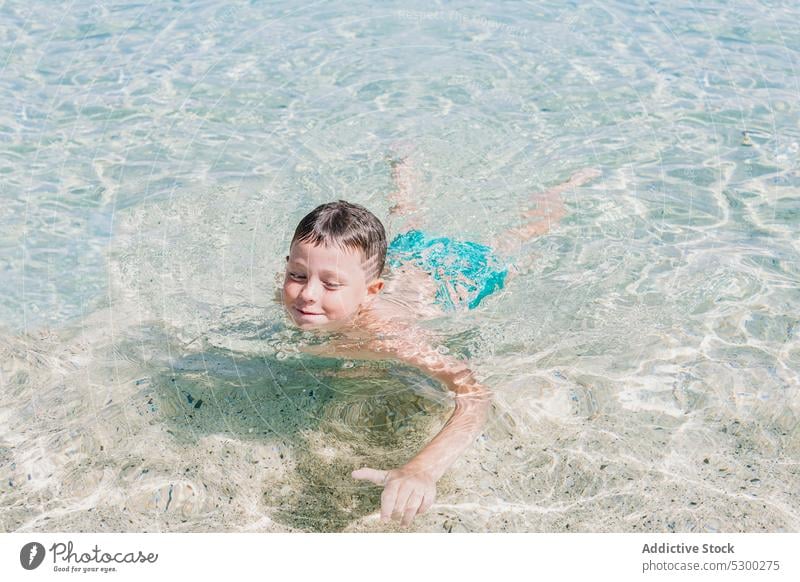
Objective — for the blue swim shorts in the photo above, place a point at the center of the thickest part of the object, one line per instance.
(466, 271)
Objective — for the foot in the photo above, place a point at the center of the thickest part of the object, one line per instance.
(401, 149)
(578, 178)
(550, 203)
(404, 197)
(583, 176)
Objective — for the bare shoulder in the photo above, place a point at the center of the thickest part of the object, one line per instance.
(398, 338)
(379, 333)
(410, 294)
(388, 339)
(369, 337)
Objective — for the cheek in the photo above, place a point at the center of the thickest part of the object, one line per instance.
(344, 300)
(290, 290)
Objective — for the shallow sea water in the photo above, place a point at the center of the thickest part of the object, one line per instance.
(154, 160)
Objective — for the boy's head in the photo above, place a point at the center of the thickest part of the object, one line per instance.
(335, 260)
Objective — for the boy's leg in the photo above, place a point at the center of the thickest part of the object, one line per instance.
(412, 287)
(549, 212)
(405, 196)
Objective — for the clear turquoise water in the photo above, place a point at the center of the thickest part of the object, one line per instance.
(155, 158)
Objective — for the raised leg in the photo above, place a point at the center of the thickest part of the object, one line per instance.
(405, 196)
(549, 211)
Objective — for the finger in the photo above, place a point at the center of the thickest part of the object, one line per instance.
(388, 499)
(426, 503)
(412, 508)
(401, 501)
(377, 476)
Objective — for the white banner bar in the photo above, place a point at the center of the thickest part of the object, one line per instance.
(387, 557)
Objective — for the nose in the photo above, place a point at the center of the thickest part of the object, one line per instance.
(310, 292)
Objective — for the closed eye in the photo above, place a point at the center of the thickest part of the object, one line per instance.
(327, 284)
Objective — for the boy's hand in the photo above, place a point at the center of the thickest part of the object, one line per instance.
(406, 492)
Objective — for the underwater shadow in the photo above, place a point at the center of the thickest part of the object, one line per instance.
(330, 416)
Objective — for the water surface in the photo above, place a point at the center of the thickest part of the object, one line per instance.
(155, 158)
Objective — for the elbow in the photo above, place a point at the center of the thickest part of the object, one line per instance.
(477, 401)
(484, 396)
(486, 403)
(465, 385)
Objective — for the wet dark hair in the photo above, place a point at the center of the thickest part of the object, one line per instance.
(347, 226)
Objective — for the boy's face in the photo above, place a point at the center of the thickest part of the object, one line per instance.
(324, 286)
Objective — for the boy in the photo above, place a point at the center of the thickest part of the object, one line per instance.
(333, 281)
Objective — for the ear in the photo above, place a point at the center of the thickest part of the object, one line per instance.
(375, 287)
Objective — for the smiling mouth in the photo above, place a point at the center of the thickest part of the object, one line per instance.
(306, 312)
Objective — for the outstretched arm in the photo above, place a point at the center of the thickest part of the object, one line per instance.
(411, 489)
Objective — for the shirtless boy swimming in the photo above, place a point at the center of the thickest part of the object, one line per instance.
(333, 282)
